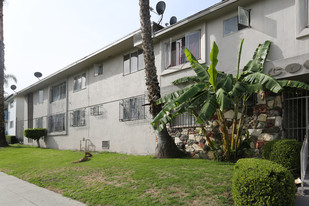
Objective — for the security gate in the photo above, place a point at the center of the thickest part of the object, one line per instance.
(296, 115)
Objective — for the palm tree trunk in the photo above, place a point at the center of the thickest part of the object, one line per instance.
(3, 142)
(166, 147)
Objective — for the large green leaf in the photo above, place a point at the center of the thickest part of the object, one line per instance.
(196, 88)
(258, 60)
(267, 81)
(238, 89)
(293, 84)
(174, 95)
(226, 83)
(223, 99)
(199, 69)
(239, 57)
(254, 88)
(183, 80)
(208, 109)
(212, 68)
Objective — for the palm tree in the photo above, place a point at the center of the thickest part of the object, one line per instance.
(166, 147)
(3, 142)
(211, 92)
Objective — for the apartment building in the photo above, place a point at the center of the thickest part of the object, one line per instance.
(100, 101)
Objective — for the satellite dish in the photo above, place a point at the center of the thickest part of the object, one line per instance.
(37, 74)
(160, 7)
(13, 87)
(173, 20)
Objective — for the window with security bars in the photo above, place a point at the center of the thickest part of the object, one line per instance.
(96, 110)
(78, 118)
(132, 109)
(56, 123)
(295, 114)
(184, 120)
(105, 144)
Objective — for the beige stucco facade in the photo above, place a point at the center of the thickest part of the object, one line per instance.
(283, 22)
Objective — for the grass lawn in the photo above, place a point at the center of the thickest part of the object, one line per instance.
(118, 179)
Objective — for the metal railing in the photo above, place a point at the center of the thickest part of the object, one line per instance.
(303, 161)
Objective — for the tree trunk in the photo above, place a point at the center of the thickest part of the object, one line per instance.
(166, 147)
(38, 141)
(3, 142)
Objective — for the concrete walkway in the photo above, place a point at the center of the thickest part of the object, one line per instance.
(16, 192)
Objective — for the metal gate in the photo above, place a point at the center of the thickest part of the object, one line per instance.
(296, 115)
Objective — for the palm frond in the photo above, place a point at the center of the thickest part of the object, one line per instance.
(199, 69)
(267, 81)
(183, 80)
(293, 84)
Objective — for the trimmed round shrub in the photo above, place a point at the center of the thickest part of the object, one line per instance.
(287, 153)
(35, 134)
(267, 149)
(262, 182)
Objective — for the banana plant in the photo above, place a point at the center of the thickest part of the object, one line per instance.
(211, 92)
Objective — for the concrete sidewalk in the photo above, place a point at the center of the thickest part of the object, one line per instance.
(16, 192)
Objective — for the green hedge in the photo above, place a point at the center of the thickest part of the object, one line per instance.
(262, 182)
(35, 133)
(11, 139)
(267, 149)
(287, 153)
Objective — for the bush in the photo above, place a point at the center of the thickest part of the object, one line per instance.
(11, 139)
(287, 153)
(35, 134)
(267, 149)
(262, 182)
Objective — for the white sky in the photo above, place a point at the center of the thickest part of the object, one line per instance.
(47, 35)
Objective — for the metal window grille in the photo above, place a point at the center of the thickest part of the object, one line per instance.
(78, 118)
(132, 109)
(296, 114)
(39, 122)
(105, 144)
(96, 110)
(184, 120)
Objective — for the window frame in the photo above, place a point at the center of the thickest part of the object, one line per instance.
(11, 124)
(132, 109)
(79, 82)
(57, 126)
(96, 110)
(240, 24)
(39, 122)
(62, 92)
(41, 96)
(175, 49)
(78, 118)
(139, 63)
(98, 70)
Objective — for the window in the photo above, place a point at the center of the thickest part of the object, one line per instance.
(30, 140)
(236, 23)
(41, 96)
(176, 49)
(56, 123)
(39, 122)
(133, 62)
(79, 82)
(58, 92)
(105, 144)
(11, 124)
(98, 69)
(132, 109)
(96, 110)
(302, 18)
(78, 118)
(184, 120)
(12, 104)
